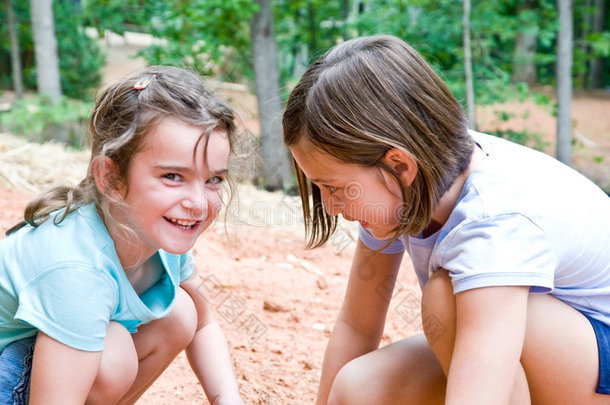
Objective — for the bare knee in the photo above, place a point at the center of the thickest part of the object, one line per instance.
(439, 316)
(402, 372)
(438, 304)
(353, 385)
(180, 326)
(168, 336)
(118, 367)
(159, 341)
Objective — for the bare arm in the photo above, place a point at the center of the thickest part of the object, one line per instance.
(490, 331)
(208, 353)
(360, 324)
(61, 374)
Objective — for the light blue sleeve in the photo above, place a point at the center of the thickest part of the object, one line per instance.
(71, 304)
(180, 267)
(504, 250)
(375, 244)
(187, 266)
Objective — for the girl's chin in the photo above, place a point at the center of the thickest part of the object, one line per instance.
(379, 233)
(178, 250)
(382, 235)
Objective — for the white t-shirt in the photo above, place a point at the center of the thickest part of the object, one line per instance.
(523, 218)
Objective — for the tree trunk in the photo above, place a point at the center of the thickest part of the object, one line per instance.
(45, 44)
(564, 81)
(472, 119)
(345, 19)
(596, 66)
(15, 50)
(524, 66)
(582, 43)
(311, 17)
(277, 167)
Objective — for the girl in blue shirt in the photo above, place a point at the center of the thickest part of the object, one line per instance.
(98, 285)
(509, 245)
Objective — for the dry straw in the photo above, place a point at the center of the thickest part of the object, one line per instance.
(32, 167)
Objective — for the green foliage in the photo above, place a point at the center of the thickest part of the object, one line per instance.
(524, 137)
(304, 29)
(599, 43)
(24, 31)
(119, 16)
(80, 58)
(213, 35)
(38, 120)
(210, 36)
(434, 28)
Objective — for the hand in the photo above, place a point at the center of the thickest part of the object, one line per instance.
(228, 399)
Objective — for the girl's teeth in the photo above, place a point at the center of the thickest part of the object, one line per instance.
(183, 223)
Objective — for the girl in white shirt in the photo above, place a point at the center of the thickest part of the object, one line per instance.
(510, 246)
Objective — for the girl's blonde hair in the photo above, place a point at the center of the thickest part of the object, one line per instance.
(365, 97)
(124, 113)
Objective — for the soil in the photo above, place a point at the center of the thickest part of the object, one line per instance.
(276, 301)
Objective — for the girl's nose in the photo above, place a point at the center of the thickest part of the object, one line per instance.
(333, 205)
(197, 205)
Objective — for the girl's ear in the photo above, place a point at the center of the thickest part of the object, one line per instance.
(402, 163)
(106, 178)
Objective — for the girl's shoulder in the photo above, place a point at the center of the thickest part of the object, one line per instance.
(515, 178)
(79, 240)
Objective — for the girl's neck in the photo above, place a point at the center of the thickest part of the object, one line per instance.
(131, 255)
(142, 269)
(146, 274)
(449, 199)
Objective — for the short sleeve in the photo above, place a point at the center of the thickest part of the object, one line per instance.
(73, 305)
(504, 250)
(375, 244)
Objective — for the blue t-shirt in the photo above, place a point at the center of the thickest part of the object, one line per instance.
(522, 218)
(66, 280)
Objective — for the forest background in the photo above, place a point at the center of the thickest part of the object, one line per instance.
(487, 51)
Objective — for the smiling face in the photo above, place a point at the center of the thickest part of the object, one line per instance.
(174, 190)
(368, 195)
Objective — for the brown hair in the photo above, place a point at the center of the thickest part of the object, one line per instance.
(365, 97)
(124, 113)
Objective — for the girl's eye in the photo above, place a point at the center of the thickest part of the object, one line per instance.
(172, 177)
(331, 189)
(215, 180)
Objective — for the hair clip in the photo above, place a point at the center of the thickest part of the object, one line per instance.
(143, 82)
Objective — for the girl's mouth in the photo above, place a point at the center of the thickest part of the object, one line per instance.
(182, 223)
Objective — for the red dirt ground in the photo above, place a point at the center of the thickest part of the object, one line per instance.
(275, 301)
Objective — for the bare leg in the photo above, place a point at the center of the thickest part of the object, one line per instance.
(118, 367)
(159, 342)
(560, 355)
(405, 372)
(439, 320)
(559, 363)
